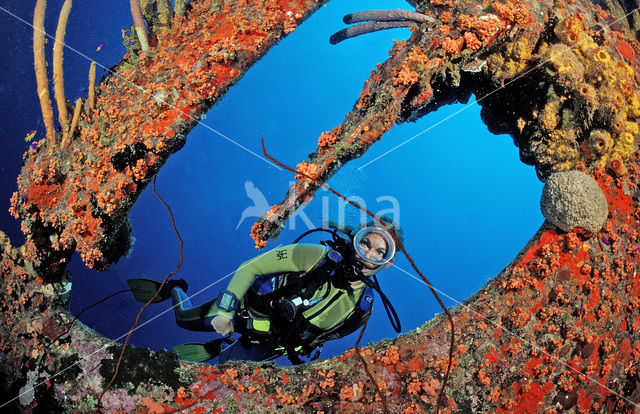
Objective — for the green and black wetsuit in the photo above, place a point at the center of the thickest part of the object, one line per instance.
(329, 306)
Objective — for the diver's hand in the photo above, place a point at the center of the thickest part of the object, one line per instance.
(222, 325)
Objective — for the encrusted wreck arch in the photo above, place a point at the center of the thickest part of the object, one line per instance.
(556, 330)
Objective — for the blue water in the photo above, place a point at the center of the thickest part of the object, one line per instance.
(466, 203)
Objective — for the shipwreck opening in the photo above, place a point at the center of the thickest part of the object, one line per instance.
(453, 214)
(463, 219)
(452, 220)
(207, 188)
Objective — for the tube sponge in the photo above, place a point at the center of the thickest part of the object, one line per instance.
(600, 141)
(570, 30)
(565, 65)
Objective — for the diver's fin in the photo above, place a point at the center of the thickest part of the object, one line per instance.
(145, 289)
(201, 351)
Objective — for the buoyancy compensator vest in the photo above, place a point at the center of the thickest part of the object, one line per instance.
(272, 311)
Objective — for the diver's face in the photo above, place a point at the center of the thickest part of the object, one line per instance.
(372, 246)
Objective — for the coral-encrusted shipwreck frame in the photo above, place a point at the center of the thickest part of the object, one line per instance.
(556, 330)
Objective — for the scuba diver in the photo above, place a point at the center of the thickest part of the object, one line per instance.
(290, 300)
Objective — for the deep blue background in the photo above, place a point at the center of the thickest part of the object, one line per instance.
(467, 204)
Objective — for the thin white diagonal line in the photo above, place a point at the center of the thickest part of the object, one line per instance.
(475, 102)
(136, 328)
(537, 348)
(143, 90)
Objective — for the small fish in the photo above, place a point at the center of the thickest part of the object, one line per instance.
(33, 146)
(30, 136)
(99, 47)
(633, 250)
(581, 308)
(605, 240)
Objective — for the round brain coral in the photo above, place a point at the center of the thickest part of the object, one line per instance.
(573, 199)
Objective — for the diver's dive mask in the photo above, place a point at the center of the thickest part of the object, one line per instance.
(368, 247)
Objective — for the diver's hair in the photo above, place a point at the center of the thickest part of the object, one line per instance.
(395, 227)
(353, 229)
